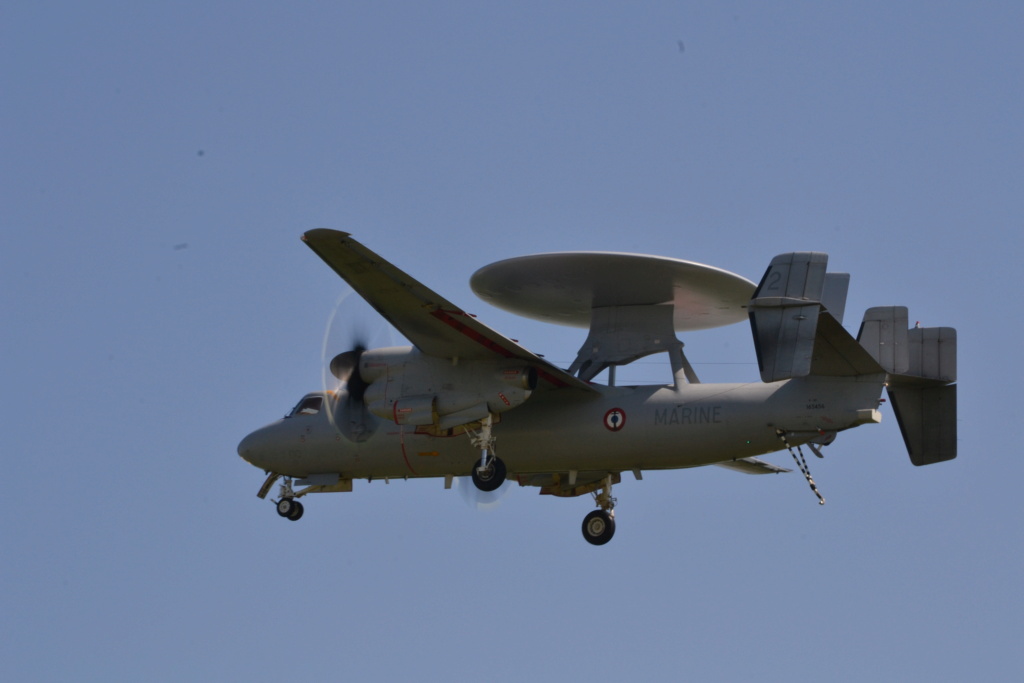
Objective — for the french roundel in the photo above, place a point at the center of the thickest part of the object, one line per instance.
(615, 419)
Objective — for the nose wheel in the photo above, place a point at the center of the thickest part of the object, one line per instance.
(289, 508)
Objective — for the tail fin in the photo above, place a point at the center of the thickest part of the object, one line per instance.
(884, 334)
(921, 353)
(834, 296)
(932, 353)
(784, 314)
(796, 316)
(927, 417)
(921, 363)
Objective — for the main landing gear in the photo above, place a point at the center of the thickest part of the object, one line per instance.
(599, 525)
(490, 473)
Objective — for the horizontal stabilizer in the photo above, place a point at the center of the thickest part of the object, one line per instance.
(927, 419)
(837, 353)
(784, 314)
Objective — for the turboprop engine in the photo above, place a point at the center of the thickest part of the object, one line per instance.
(409, 388)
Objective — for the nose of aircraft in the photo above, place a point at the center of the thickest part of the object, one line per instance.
(249, 447)
(266, 447)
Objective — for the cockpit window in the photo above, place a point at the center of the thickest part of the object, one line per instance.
(310, 405)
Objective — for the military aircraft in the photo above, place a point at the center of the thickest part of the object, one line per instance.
(441, 407)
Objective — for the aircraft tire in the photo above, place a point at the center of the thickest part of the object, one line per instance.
(296, 513)
(598, 527)
(286, 507)
(493, 478)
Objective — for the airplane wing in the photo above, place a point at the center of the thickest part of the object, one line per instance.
(433, 324)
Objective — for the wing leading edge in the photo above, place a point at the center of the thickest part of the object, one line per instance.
(433, 324)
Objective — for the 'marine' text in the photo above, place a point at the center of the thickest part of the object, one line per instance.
(682, 415)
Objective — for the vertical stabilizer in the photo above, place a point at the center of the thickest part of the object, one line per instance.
(834, 297)
(932, 353)
(923, 395)
(884, 335)
(784, 314)
(927, 418)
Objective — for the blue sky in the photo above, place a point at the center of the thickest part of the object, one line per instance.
(159, 163)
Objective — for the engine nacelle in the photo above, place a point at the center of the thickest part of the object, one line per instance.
(409, 388)
(415, 410)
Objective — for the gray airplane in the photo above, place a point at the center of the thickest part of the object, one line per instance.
(438, 408)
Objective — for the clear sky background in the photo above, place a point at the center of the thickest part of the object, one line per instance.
(159, 162)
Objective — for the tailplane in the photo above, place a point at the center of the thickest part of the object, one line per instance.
(921, 363)
(796, 318)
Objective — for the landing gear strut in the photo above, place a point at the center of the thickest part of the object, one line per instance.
(490, 473)
(599, 525)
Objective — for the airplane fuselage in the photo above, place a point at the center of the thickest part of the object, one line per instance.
(613, 429)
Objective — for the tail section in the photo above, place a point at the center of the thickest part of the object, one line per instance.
(884, 334)
(932, 353)
(784, 314)
(921, 363)
(921, 353)
(796, 318)
(927, 417)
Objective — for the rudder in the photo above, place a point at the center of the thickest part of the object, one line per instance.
(927, 419)
(920, 384)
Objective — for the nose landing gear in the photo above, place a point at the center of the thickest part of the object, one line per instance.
(287, 506)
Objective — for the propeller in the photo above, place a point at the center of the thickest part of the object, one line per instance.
(345, 366)
(348, 327)
(481, 500)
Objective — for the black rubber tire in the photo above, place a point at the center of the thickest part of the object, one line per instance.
(286, 507)
(598, 527)
(296, 513)
(493, 478)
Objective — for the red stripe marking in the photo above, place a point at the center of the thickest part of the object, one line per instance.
(551, 378)
(448, 318)
(401, 440)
